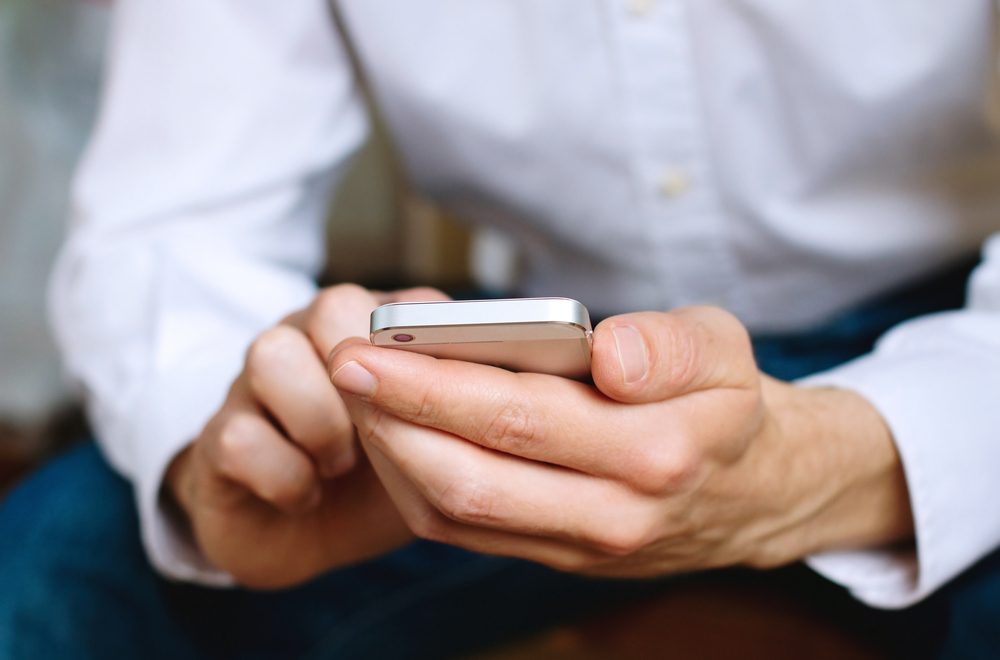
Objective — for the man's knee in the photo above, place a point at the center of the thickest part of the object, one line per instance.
(69, 545)
(72, 505)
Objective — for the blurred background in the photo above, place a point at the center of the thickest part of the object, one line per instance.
(50, 53)
(50, 68)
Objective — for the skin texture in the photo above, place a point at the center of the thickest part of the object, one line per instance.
(684, 456)
(277, 469)
(681, 456)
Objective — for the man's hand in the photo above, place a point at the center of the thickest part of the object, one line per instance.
(274, 489)
(683, 457)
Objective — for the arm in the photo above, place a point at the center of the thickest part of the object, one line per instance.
(197, 220)
(936, 382)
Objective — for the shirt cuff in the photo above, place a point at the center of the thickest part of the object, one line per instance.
(175, 410)
(940, 405)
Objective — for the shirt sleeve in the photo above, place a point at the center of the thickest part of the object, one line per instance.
(197, 221)
(936, 381)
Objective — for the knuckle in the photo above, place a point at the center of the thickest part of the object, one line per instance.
(664, 469)
(467, 501)
(682, 356)
(234, 435)
(426, 409)
(627, 537)
(272, 348)
(748, 409)
(512, 428)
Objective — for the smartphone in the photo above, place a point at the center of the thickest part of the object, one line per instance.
(540, 335)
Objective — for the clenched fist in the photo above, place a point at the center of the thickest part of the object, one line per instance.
(275, 489)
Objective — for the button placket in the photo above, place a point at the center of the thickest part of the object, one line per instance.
(674, 183)
(682, 215)
(640, 8)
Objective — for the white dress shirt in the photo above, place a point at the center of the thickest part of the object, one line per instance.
(783, 159)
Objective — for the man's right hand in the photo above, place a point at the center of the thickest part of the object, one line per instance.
(275, 489)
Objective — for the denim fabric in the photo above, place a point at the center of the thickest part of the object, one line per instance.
(74, 582)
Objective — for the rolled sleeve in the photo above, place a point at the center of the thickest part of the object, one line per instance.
(198, 218)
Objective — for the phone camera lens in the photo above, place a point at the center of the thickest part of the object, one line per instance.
(403, 338)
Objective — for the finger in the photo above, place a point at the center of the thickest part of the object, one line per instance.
(245, 449)
(538, 417)
(484, 489)
(336, 313)
(428, 523)
(416, 294)
(287, 375)
(653, 356)
(287, 378)
(343, 311)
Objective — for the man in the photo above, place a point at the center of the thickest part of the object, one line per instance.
(784, 161)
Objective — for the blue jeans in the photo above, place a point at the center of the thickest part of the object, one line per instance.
(75, 582)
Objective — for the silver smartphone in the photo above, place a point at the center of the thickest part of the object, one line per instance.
(540, 335)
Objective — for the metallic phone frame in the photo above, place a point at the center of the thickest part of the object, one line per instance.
(543, 335)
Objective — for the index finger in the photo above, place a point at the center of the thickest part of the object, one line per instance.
(344, 311)
(534, 416)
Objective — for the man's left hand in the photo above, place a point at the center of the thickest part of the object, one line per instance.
(682, 456)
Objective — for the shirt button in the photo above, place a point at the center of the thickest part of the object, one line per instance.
(640, 8)
(674, 183)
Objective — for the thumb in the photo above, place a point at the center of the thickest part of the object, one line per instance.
(655, 356)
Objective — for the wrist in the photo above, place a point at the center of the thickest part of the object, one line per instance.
(848, 481)
(176, 489)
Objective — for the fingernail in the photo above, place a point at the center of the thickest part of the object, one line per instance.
(354, 378)
(631, 353)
